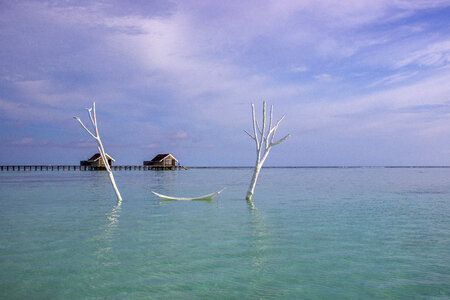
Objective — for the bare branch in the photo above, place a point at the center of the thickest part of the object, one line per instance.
(78, 119)
(95, 115)
(95, 119)
(93, 111)
(249, 135)
(90, 116)
(276, 125)
(254, 126)
(280, 140)
(270, 120)
(259, 128)
(263, 126)
(274, 129)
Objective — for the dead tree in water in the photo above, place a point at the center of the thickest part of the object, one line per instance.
(264, 141)
(96, 137)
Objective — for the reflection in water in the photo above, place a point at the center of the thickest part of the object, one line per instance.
(202, 200)
(250, 205)
(259, 257)
(258, 239)
(113, 216)
(104, 252)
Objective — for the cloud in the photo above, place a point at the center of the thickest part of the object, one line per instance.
(26, 141)
(83, 144)
(30, 142)
(188, 71)
(325, 77)
(151, 146)
(394, 78)
(437, 54)
(299, 69)
(412, 107)
(25, 113)
(180, 135)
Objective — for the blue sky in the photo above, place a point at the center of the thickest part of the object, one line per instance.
(360, 82)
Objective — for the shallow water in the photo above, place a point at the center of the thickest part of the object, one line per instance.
(366, 233)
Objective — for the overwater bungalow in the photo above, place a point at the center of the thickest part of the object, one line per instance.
(97, 161)
(163, 161)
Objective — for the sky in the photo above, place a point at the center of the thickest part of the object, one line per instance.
(360, 82)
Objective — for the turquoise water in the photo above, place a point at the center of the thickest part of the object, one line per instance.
(367, 233)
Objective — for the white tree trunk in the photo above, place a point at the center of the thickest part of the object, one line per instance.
(113, 182)
(251, 188)
(264, 141)
(96, 137)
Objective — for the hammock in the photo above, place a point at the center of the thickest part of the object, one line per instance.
(205, 197)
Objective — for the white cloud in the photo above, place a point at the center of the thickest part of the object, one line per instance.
(26, 141)
(299, 69)
(436, 54)
(325, 77)
(394, 78)
(391, 110)
(207, 61)
(152, 146)
(84, 144)
(180, 135)
(15, 110)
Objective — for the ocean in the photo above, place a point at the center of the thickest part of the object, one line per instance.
(313, 233)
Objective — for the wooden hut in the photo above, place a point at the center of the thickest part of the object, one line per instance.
(97, 161)
(162, 160)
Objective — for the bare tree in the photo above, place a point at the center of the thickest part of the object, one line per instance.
(96, 137)
(264, 141)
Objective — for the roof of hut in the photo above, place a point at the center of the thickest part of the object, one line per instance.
(161, 157)
(97, 156)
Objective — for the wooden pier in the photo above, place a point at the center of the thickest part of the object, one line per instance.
(87, 168)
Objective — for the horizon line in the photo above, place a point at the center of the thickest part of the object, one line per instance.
(267, 167)
(324, 167)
